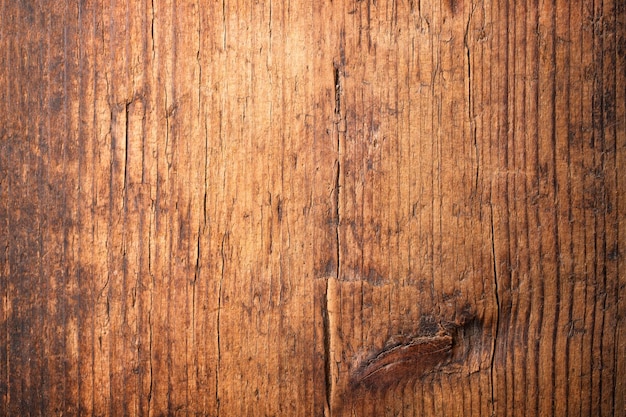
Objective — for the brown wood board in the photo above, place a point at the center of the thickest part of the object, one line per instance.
(368, 208)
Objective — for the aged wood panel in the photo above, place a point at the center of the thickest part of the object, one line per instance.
(166, 183)
(312, 208)
(480, 154)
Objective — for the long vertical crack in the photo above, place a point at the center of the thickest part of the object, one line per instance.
(219, 310)
(126, 139)
(327, 376)
(470, 98)
(338, 130)
(497, 318)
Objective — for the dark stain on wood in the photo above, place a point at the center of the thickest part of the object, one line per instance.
(454, 6)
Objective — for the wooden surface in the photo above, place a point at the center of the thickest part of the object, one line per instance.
(336, 208)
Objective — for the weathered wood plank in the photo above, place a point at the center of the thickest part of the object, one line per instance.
(328, 208)
(511, 117)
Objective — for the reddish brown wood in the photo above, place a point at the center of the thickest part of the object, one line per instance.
(312, 208)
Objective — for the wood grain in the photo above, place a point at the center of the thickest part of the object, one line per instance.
(364, 208)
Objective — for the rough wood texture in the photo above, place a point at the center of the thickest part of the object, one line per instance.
(329, 208)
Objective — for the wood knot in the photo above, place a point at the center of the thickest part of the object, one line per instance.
(405, 358)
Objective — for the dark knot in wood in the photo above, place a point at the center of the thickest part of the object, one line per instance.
(405, 358)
